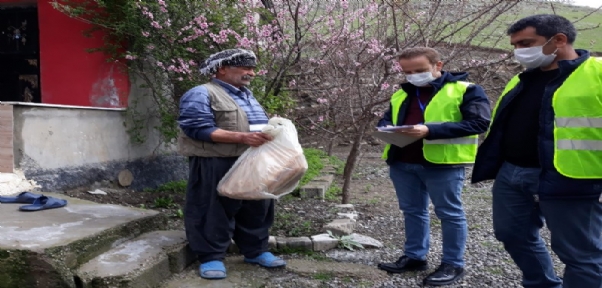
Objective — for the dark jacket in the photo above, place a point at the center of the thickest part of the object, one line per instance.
(552, 185)
(475, 109)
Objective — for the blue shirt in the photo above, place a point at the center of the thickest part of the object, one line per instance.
(196, 117)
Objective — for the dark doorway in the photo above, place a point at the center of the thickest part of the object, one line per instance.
(19, 54)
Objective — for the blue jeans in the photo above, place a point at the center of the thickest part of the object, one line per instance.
(414, 184)
(575, 226)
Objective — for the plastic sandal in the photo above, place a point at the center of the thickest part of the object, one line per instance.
(267, 260)
(213, 270)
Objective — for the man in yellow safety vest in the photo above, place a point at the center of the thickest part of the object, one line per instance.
(448, 113)
(544, 150)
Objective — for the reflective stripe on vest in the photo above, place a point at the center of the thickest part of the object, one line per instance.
(444, 107)
(577, 106)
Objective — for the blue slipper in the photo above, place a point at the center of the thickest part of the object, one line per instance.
(23, 197)
(267, 260)
(44, 203)
(213, 270)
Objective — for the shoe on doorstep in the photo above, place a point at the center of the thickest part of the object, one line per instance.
(444, 275)
(404, 264)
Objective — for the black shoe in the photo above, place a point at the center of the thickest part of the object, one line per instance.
(404, 264)
(444, 275)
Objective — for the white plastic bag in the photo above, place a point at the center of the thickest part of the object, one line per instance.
(269, 171)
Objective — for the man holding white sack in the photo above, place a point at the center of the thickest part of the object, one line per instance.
(220, 120)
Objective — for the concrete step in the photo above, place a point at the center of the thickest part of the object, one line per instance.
(144, 261)
(42, 249)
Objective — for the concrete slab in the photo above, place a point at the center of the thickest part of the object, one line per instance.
(36, 231)
(41, 249)
(240, 274)
(140, 262)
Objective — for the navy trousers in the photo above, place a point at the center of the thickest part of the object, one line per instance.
(211, 220)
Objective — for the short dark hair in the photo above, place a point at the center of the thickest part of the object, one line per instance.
(431, 54)
(546, 25)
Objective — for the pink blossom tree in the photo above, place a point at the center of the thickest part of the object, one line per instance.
(334, 58)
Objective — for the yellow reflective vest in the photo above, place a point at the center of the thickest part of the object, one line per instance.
(444, 107)
(577, 126)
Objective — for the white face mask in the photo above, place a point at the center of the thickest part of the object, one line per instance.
(420, 79)
(533, 57)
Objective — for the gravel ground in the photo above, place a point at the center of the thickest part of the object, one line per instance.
(487, 263)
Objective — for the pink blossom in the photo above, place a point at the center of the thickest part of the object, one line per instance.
(292, 83)
(191, 50)
(384, 86)
(145, 34)
(321, 118)
(262, 72)
(150, 47)
(130, 57)
(156, 25)
(322, 100)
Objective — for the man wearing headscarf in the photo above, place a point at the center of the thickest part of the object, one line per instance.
(219, 121)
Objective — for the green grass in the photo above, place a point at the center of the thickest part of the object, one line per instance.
(173, 186)
(316, 160)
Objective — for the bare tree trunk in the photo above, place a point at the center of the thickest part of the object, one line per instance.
(331, 145)
(351, 162)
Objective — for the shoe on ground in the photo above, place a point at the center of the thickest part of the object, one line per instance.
(444, 275)
(404, 264)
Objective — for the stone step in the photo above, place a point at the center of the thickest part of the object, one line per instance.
(42, 249)
(144, 261)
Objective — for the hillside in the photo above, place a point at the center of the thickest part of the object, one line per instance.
(587, 20)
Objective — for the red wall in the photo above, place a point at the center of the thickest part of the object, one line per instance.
(69, 75)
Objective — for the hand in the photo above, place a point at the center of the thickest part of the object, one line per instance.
(417, 131)
(255, 139)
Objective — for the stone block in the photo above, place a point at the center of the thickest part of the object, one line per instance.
(340, 227)
(367, 242)
(328, 178)
(323, 242)
(303, 243)
(280, 242)
(351, 215)
(314, 190)
(272, 243)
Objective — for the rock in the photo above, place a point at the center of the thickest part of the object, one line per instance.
(299, 243)
(314, 190)
(345, 206)
(352, 215)
(98, 192)
(323, 242)
(125, 178)
(272, 243)
(340, 227)
(280, 242)
(366, 241)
